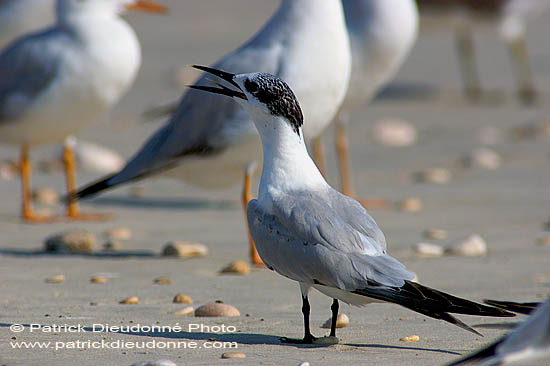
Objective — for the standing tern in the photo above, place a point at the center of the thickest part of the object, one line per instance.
(382, 33)
(309, 232)
(55, 82)
(511, 16)
(529, 341)
(209, 141)
(18, 17)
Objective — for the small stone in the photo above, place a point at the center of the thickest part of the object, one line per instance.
(74, 242)
(413, 338)
(437, 234)
(162, 281)
(395, 132)
(118, 233)
(130, 300)
(55, 279)
(217, 310)
(237, 267)
(342, 321)
(8, 170)
(428, 250)
(182, 299)
(305, 363)
(138, 192)
(184, 249)
(472, 246)
(99, 279)
(544, 240)
(233, 355)
(155, 363)
(45, 196)
(113, 245)
(187, 311)
(434, 175)
(483, 158)
(411, 204)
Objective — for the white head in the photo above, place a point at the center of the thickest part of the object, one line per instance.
(68, 8)
(269, 100)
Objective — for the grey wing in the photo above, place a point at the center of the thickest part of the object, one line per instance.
(203, 123)
(305, 240)
(27, 68)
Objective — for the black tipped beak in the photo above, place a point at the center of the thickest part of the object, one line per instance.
(222, 89)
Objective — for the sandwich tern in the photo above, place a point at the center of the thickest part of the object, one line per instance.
(54, 82)
(210, 141)
(529, 341)
(307, 231)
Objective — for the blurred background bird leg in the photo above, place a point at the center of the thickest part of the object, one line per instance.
(319, 154)
(246, 197)
(468, 67)
(28, 213)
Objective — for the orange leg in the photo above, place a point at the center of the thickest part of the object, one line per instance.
(73, 210)
(319, 154)
(28, 213)
(344, 165)
(520, 59)
(246, 197)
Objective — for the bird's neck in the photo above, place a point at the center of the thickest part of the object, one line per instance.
(287, 165)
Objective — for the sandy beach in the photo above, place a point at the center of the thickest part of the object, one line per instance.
(507, 207)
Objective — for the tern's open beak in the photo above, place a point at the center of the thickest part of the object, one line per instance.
(222, 89)
(147, 6)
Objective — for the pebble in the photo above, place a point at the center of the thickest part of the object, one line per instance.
(130, 300)
(184, 249)
(55, 279)
(45, 196)
(237, 267)
(395, 132)
(217, 310)
(75, 242)
(162, 281)
(305, 363)
(428, 250)
(544, 240)
(118, 233)
(433, 175)
(341, 322)
(113, 245)
(437, 234)
(187, 311)
(472, 246)
(8, 170)
(182, 299)
(483, 158)
(99, 279)
(413, 338)
(233, 355)
(155, 363)
(411, 204)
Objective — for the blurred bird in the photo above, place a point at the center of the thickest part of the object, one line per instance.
(55, 82)
(382, 32)
(209, 141)
(529, 341)
(18, 17)
(511, 16)
(309, 232)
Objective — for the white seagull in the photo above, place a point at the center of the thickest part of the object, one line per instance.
(529, 341)
(210, 141)
(18, 17)
(309, 232)
(57, 81)
(511, 17)
(382, 33)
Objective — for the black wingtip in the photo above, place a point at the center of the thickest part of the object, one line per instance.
(517, 307)
(90, 190)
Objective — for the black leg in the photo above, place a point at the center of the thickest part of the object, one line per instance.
(308, 337)
(335, 307)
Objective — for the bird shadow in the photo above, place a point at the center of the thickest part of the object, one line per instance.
(167, 203)
(504, 326)
(385, 346)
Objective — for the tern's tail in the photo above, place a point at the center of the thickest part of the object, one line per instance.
(477, 357)
(516, 307)
(432, 303)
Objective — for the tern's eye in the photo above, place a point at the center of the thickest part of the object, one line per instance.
(251, 86)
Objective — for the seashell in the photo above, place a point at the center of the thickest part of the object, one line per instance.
(428, 250)
(182, 299)
(130, 300)
(74, 242)
(342, 321)
(237, 267)
(472, 246)
(184, 249)
(217, 310)
(55, 279)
